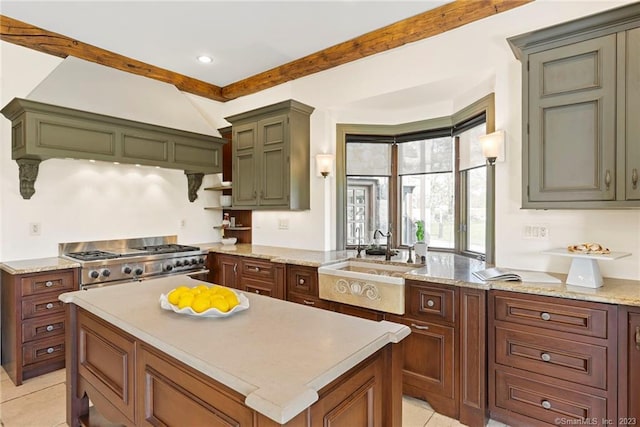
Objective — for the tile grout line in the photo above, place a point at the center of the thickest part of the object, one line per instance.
(30, 393)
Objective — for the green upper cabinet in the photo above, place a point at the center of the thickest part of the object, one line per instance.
(581, 90)
(271, 157)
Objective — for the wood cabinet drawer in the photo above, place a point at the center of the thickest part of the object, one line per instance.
(547, 403)
(578, 317)
(42, 327)
(581, 363)
(40, 350)
(302, 280)
(257, 269)
(309, 301)
(260, 288)
(430, 302)
(51, 282)
(41, 305)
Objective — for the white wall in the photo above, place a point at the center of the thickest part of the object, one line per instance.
(76, 200)
(422, 80)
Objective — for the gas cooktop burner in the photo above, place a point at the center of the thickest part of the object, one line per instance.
(92, 255)
(164, 249)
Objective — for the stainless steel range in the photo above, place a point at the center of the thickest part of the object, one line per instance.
(109, 262)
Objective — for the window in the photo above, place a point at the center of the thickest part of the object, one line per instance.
(421, 171)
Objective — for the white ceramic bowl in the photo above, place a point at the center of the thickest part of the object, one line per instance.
(229, 240)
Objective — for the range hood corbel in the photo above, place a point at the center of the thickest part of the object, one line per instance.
(41, 131)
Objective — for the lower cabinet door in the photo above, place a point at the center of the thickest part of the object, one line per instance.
(172, 395)
(629, 392)
(429, 365)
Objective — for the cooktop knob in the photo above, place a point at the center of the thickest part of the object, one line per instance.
(168, 267)
(194, 261)
(139, 271)
(178, 263)
(201, 261)
(106, 273)
(126, 270)
(94, 274)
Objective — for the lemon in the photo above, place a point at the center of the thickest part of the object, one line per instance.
(200, 304)
(202, 288)
(186, 299)
(232, 300)
(220, 303)
(174, 296)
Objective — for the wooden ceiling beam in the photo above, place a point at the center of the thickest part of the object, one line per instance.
(427, 24)
(23, 34)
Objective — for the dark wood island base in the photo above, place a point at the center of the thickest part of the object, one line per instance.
(132, 383)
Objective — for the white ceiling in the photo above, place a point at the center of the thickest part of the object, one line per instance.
(243, 37)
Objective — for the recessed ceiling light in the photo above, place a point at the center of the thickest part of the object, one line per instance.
(204, 59)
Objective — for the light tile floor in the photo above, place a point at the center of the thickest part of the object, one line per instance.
(40, 402)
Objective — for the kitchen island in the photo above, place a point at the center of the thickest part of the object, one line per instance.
(277, 363)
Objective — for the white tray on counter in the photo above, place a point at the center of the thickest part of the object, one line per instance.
(584, 270)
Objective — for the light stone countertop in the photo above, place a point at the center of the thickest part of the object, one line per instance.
(276, 353)
(37, 265)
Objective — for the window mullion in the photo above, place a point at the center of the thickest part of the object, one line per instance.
(394, 197)
(458, 203)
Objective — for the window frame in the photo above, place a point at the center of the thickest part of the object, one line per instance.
(484, 105)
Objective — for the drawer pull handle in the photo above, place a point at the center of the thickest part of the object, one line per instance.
(546, 404)
(423, 328)
(49, 328)
(301, 281)
(545, 316)
(638, 338)
(545, 357)
(50, 350)
(256, 268)
(309, 302)
(49, 306)
(634, 178)
(257, 291)
(430, 303)
(607, 178)
(48, 283)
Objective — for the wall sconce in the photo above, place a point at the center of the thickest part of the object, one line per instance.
(493, 146)
(324, 164)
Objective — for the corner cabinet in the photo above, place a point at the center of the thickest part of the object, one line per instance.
(629, 365)
(581, 100)
(271, 157)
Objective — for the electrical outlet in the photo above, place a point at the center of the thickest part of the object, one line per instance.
(536, 232)
(183, 223)
(283, 224)
(34, 229)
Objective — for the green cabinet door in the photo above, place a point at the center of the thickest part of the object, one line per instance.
(274, 170)
(245, 141)
(571, 153)
(632, 118)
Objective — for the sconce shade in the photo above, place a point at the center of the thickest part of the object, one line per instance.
(492, 145)
(324, 164)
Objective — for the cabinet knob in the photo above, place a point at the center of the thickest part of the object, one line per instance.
(545, 316)
(50, 350)
(49, 306)
(49, 328)
(634, 178)
(430, 303)
(48, 283)
(308, 302)
(546, 404)
(545, 357)
(256, 269)
(422, 328)
(607, 178)
(301, 281)
(257, 291)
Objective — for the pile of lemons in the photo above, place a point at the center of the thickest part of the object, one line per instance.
(203, 297)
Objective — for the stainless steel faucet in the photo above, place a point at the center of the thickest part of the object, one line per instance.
(387, 253)
(359, 247)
